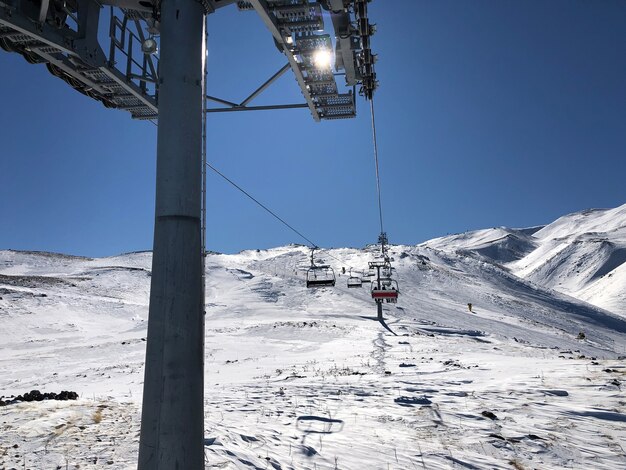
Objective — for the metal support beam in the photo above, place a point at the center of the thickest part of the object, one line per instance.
(243, 105)
(221, 101)
(45, 33)
(263, 87)
(172, 422)
(262, 10)
(257, 108)
(43, 10)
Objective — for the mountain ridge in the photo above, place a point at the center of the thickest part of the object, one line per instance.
(581, 254)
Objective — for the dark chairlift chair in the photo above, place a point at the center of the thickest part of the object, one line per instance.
(320, 276)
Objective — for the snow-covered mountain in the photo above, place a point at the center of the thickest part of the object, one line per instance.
(581, 254)
(301, 378)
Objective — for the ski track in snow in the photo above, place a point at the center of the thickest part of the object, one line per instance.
(304, 379)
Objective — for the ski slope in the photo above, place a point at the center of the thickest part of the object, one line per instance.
(302, 378)
(581, 254)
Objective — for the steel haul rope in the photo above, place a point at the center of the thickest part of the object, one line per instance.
(313, 245)
(383, 236)
(380, 207)
(273, 214)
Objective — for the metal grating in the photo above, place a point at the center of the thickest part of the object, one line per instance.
(95, 75)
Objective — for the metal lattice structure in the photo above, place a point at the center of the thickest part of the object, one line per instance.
(297, 25)
(63, 35)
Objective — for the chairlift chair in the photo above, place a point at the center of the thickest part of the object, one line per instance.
(385, 291)
(354, 281)
(320, 276)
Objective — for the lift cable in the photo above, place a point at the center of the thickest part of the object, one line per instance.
(380, 206)
(379, 292)
(311, 243)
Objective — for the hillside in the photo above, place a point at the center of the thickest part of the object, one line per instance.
(301, 378)
(581, 254)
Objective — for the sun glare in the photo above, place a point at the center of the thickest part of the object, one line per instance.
(322, 59)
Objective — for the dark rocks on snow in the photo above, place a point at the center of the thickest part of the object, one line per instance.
(36, 395)
(556, 393)
(411, 401)
(489, 414)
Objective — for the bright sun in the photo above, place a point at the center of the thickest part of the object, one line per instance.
(322, 58)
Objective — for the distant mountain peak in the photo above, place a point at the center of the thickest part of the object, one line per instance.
(582, 254)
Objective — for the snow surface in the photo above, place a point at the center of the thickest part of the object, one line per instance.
(581, 254)
(302, 378)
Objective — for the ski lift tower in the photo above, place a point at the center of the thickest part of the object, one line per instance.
(154, 68)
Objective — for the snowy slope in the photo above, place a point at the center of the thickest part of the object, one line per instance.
(581, 254)
(499, 244)
(302, 378)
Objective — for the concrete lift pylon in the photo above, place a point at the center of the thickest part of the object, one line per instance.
(172, 420)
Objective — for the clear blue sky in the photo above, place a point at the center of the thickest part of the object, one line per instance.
(489, 113)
